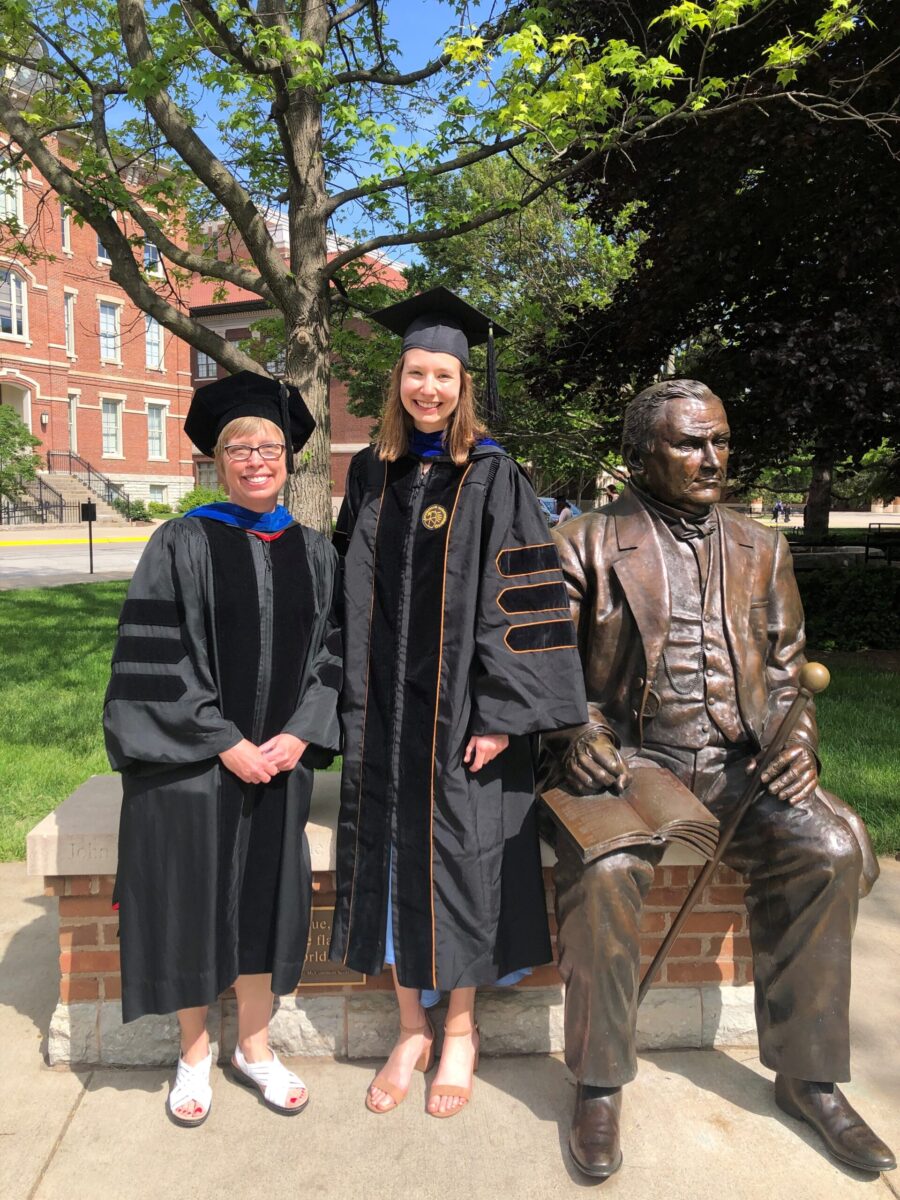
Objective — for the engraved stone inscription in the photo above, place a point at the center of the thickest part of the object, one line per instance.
(317, 970)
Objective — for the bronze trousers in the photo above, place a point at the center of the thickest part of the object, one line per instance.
(801, 864)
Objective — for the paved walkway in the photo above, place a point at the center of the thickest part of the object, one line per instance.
(49, 555)
(699, 1125)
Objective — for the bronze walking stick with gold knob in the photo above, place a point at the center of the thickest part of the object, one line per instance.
(814, 678)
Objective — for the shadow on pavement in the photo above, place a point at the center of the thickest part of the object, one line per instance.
(719, 1074)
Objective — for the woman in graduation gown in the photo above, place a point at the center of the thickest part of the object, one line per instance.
(459, 650)
(223, 696)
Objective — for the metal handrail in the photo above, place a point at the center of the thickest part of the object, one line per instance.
(94, 480)
(36, 503)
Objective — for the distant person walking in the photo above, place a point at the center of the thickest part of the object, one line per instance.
(563, 510)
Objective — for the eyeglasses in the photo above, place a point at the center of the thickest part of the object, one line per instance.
(270, 451)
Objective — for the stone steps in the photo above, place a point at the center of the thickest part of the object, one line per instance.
(73, 491)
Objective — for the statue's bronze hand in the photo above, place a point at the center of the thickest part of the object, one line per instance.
(792, 775)
(593, 764)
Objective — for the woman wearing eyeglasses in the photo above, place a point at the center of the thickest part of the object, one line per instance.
(222, 698)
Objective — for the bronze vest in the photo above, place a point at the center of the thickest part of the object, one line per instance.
(694, 682)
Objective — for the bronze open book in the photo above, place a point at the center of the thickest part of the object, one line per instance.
(654, 809)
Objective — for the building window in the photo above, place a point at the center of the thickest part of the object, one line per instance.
(112, 428)
(207, 367)
(13, 305)
(110, 332)
(102, 252)
(73, 422)
(69, 317)
(154, 352)
(156, 431)
(206, 475)
(11, 195)
(152, 261)
(158, 492)
(65, 227)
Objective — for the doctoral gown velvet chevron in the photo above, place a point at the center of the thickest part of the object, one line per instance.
(456, 623)
(223, 635)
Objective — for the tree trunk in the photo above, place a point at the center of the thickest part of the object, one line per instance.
(818, 504)
(308, 366)
(308, 326)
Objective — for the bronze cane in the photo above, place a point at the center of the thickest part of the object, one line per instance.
(814, 677)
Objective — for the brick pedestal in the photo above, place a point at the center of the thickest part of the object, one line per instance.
(702, 997)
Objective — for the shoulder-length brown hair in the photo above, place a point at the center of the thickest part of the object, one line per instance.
(462, 432)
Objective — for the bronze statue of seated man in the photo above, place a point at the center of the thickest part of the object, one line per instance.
(691, 634)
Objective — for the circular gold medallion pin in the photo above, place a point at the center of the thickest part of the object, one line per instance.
(434, 517)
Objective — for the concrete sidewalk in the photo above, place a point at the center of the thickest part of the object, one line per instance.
(698, 1125)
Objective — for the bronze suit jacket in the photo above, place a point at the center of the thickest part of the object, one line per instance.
(618, 589)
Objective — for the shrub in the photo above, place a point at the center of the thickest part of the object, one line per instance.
(198, 496)
(851, 608)
(156, 509)
(134, 510)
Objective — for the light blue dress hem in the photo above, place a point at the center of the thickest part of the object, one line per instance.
(429, 996)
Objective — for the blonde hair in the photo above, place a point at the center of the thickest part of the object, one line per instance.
(462, 432)
(238, 428)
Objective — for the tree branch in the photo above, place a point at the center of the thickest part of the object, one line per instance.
(485, 218)
(390, 78)
(124, 269)
(210, 170)
(65, 181)
(341, 15)
(251, 62)
(396, 181)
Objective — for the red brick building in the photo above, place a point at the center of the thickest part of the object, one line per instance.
(86, 370)
(91, 375)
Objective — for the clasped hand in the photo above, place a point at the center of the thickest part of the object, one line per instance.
(259, 764)
(593, 764)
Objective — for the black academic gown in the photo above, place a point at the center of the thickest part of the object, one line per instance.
(222, 636)
(456, 623)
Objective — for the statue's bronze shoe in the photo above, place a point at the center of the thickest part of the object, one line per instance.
(594, 1139)
(839, 1125)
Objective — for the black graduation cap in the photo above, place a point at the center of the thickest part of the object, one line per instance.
(440, 321)
(247, 394)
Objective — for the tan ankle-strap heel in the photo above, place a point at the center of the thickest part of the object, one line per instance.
(423, 1063)
(451, 1089)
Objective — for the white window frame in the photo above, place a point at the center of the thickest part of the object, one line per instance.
(73, 398)
(17, 304)
(69, 321)
(151, 362)
(207, 367)
(117, 309)
(119, 405)
(162, 489)
(163, 408)
(12, 203)
(154, 267)
(104, 256)
(65, 227)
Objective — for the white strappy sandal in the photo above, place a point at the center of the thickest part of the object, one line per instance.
(191, 1085)
(272, 1080)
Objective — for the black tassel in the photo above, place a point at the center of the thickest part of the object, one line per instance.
(492, 387)
(284, 399)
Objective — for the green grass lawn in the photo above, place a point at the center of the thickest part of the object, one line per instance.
(57, 643)
(860, 751)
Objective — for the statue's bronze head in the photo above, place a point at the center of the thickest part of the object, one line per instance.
(675, 443)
